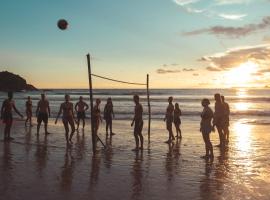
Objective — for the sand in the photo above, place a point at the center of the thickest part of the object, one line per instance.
(42, 167)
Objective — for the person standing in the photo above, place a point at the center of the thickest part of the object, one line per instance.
(109, 115)
(169, 119)
(177, 121)
(96, 116)
(67, 118)
(43, 112)
(28, 111)
(138, 123)
(80, 109)
(6, 115)
(206, 127)
(226, 119)
(219, 119)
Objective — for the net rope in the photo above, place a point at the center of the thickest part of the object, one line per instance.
(118, 81)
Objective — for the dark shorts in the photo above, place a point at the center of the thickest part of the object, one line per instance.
(108, 119)
(42, 117)
(7, 118)
(177, 121)
(81, 115)
(138, 127)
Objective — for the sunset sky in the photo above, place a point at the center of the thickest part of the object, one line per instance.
(180, 43)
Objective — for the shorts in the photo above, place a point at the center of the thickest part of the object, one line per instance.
(177, 122)
(169, 124)
(69, 120)
(7, 118)
(28, 113)
(42, 117)
(81, 115)
(138, 127)
(108, 120)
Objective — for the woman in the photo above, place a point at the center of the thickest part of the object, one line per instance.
(177, 121)
(108, 115)
(206, 128)
(169, 119)
(28, 111)
(67, 118)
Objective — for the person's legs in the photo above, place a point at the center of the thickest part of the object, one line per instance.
(66, 130)
(110, 126)
(205, 143)
(83, 122)
(221, 136)
(38, 127)
(209, 145)
(78, 123)
(136, 140)
(141, 136)
(72, 125)
(179, 130)
(25, 123)
(107, 127)
(46, 128)
(226, 133)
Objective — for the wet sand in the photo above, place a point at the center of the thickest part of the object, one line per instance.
(42, 167)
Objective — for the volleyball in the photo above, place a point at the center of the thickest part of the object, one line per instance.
(62, 24)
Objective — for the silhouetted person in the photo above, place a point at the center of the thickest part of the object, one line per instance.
(169, 119)
(43, 112)
(80, 108)
(138, 121)
(6, 115)
(67, 118)
(28, 111)
(226, 119)
(177, 121)
(206, 128)
(108, 115)
(219, 119)
(96, 116)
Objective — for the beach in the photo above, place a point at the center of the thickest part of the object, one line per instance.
(42, 167)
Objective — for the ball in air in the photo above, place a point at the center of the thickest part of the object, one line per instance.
(62, 24)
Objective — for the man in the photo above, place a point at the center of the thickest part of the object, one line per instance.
(80, 108)
(226, 119)
(6, 115)
(43, 112)
(138, 120)
(169, 119)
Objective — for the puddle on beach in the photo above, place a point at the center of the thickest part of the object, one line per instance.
(43, 168)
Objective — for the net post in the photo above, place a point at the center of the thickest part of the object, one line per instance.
(149, 107)
(91, 102)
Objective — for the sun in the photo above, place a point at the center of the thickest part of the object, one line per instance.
(241, 76)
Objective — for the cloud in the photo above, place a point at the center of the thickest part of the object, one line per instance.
(232, 16)
(185, 2)
(230, 2)
(266, 38)
(213, 69)
(188, 70)
(230, 31)
(209, 8)
(168, 71)
(231, 58)
(195, 74)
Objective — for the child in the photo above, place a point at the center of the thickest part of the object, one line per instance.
(28, 105)
(177, 121)
(169, 119)
(206, 128)
(138, 120)
(6, 115)
(108, 115)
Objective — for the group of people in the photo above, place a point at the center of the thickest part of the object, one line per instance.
(209, 119)
(219, 119)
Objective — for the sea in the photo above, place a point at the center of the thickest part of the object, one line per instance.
(253, 105)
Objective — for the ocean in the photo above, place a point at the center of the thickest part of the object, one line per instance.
(250, 104)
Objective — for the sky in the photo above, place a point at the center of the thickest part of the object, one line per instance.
(179, 43)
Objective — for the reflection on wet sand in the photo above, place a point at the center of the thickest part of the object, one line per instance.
(137, 175)
(108, 153)
(80, 146)
(172, 164)
(28, 138)
(95, 167)
(67, 171)
(41, 155)
(6, 169)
